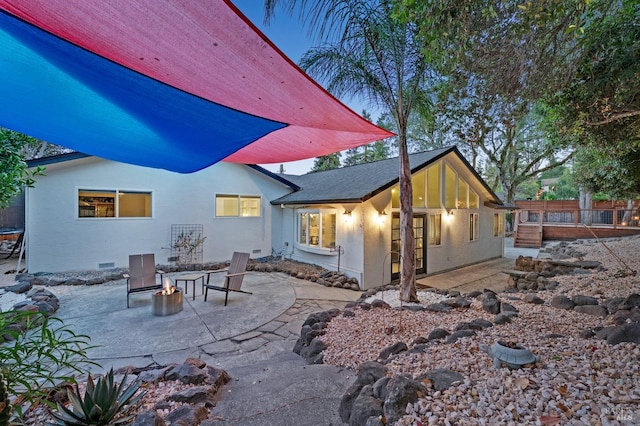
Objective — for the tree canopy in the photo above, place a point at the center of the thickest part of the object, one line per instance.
(14, 173)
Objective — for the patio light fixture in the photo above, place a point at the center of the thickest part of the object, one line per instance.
(347, 216)
(382, 217)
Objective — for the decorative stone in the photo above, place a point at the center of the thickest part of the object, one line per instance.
(562, 302)
(625, 333)
(596, 310)
(581, 300)
(514, 356)
(438, 333)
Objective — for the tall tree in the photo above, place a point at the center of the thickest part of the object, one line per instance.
(369, 53)
(326, 162)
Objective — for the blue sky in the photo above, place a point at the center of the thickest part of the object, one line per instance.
(289, 35)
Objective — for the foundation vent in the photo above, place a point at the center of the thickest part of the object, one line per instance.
(255, 251)
(106, 265)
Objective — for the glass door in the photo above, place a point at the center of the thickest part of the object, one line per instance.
(419, 230)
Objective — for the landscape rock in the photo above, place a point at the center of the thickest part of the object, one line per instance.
(459, 334)
(438, 333)
(625, 333)
(401, 390)
(442, 378)
(365, 406)
(596, 310)
(562, 302)
(582, 300)
(392, 350)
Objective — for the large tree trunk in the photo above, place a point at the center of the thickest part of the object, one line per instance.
(408, 249)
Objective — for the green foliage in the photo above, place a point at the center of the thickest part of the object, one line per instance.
(104, 403)
(601, 105)
(5, 405)
(14, 173)
(41, 352)
(618, 176)
(326, 162)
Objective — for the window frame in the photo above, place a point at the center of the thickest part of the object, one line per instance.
(239, 208)
(437, 217)
(321, 232)
(474, 226)
(116, 202)
(498, 225)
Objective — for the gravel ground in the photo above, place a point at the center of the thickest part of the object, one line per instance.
(577, 381)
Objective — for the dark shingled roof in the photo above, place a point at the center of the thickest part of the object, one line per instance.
(358, 183)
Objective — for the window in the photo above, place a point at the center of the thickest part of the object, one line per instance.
(473, 200)
(463, 192)
(450, 188)
(498, 225)
(435, 229)
(228, 205)
(418, 184)
(317, 228)
(113, 203)
(474, 222)
(434, 177)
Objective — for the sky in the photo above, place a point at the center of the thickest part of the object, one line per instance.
(291, 37)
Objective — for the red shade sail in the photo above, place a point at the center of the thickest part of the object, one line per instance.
(184, 80)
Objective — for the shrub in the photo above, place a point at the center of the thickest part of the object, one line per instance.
(40, 353)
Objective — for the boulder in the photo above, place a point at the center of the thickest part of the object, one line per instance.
(401, 391)
(582, 300)
(442, 378)
(491, 305)
(392, 350)
(562, 302)
(625, 333)
(438, 333)
(596, 310)
(365, 406)
(458, 334)
(533, 298)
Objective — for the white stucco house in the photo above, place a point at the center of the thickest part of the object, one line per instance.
(88, 213)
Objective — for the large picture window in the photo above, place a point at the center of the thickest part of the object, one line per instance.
(230, 205)
(317, 228)
(113, 203)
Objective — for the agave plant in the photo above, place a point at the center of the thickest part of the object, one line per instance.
(104, 403)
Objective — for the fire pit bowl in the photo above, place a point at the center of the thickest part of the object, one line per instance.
(166, 304)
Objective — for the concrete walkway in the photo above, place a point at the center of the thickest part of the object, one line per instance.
(480, 276)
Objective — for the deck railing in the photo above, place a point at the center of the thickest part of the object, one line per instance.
(616, 218)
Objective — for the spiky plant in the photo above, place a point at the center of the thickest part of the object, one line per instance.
(103, 402)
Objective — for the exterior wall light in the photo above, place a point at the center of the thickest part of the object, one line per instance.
(347, 216)
(382, 217)
(449, 215)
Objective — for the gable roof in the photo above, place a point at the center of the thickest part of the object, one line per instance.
(356, 184)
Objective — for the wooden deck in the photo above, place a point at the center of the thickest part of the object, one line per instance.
(537, 221)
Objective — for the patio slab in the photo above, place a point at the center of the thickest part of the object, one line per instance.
(101, 313)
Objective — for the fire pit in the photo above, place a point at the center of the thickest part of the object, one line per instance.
(168, 301)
